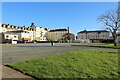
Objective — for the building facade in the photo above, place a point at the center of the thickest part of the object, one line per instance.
(60, 35)
(93, 35)
(69, 38)
(19, 35)
(38, 33)
(56, 35)
(118, 37)
(35, 33)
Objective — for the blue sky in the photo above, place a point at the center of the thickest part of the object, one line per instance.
(59, 0)
(76, 15)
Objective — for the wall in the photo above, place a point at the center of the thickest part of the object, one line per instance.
(56, 35)
(93, 35)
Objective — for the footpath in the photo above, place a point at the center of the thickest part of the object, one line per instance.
(11, 73)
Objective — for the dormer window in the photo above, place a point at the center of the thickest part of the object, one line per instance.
(11, 26)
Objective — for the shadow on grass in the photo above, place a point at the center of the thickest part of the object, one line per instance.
(113, 52)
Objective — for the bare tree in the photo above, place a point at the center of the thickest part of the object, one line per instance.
(111, 20)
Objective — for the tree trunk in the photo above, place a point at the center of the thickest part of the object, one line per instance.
(115, 44)
(114, 37)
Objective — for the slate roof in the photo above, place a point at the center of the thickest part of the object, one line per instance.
(85, 31)
(58, 30)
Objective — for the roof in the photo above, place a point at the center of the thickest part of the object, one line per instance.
(58, 30)
(85, 31)
(18, 31)
(18, 26)
(69, 33)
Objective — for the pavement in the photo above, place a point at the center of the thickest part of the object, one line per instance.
(11, 73)
(20, 52)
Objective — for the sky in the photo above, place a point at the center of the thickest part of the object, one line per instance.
(76, 15)
(59, 0)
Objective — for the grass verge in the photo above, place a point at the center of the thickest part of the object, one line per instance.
(83, 63)
(99, 45)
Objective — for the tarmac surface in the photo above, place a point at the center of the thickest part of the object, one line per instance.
(20, 52)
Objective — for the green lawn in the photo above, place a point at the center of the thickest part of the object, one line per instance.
(83, 63)
(99, 45)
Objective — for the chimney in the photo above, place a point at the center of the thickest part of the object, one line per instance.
(32, 24)
(68, 30)
(68, 33)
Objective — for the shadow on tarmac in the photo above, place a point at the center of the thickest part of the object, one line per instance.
(41, 46)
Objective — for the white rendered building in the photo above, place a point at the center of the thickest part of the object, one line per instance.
(93, 35)
(100, 34)
(35, 33)
(38, 33)
(19, 35)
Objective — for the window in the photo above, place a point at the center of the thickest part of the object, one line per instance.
(15, 36)
(88, 37)
(10, 26)
(7, 36)
(6, 26)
